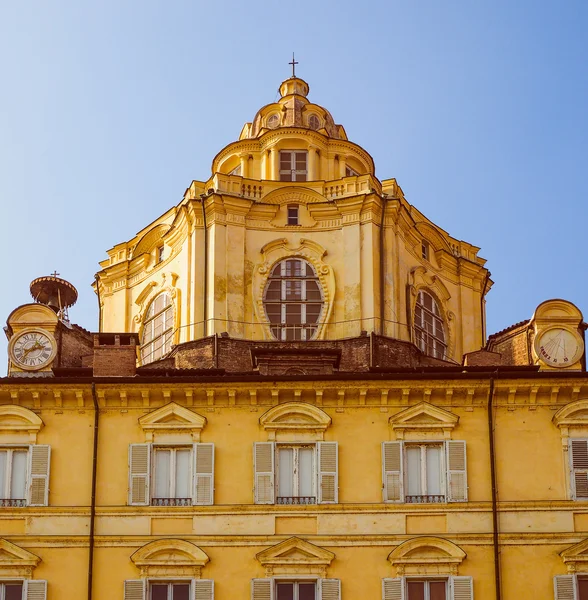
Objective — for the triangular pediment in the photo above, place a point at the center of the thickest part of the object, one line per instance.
(295, 551)
(171, 553)
(424, 416)
(172, 416)
(12, 555)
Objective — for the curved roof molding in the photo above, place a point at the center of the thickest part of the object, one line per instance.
(18, 421)
(295, 420)
(291, 194)
(295, 556)
(172, 419)
(426, 555)
(557, 311)
(433, 236)
(16, 561)
(572, 416)
(423, 418)
(150, 240)
(170, 557)
(32, 315)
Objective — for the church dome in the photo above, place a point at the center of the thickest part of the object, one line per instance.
(293, 109)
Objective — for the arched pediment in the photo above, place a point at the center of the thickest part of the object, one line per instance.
(295, 420)
(293, 194)
(432, 235)
(150, 240)
(16, 561)
(572, 414)
(423, 417)
(32, 315)
(19, 421)
(170, 557)
(172, 419)
(557, 310)
(427, 555)
(293, 556)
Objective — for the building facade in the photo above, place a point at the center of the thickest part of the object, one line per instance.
(291, 396)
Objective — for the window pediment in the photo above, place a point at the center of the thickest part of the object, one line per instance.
(295, 556)
(295, 421)
(18, 423)
(576, 557)
(16, 561)
(424, 418)
(426, 556)
(170, 557)
(172, 419)
(572, 416)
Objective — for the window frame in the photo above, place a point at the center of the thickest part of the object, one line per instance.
(318, 122)
(293, 214)
(427, 581)
(425, 249)
(296, 472)
(172, 448)
(295, 582)
(293, 173)
(7, 500)
(5, 581)
(167, 333)
(443, 472)
(170, 582)
(430, 343)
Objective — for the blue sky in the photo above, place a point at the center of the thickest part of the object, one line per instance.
(110, 109)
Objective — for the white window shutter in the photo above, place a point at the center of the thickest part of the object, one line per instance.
(39, 463)
(134, 589)
(579, 468)
(461, 588)
(203, 474)
(392, 476)
(35, 589)
(262, 589)
(263, 466)
(457, 481)
(564, 587)
(330, 589)
(203, 589)
(328, 475)
(139, 468)
(392, 589)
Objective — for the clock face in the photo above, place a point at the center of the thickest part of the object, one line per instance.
(32, 350)
(559, 347)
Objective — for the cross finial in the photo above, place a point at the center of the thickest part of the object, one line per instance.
(293, 63)
(55, 274)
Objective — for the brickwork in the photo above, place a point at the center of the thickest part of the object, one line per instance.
(115, 355)
(513, 345)
(74, 346)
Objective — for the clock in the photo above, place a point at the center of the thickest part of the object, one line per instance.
(559, 347)
(32, 349)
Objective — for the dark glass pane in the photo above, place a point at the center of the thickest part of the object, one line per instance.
(274, 291)
(437, 590)
(299, 177)
(159, 591)
(13, 591)
(285, 591)
(416, 590)
(181, 591)
(306, 591)
(293, 314)
(286, 176)
(312, 291)
(274, 312)
(582, 588)
(293, 290)
(277, 270)
(300, 160)
(293, 268)
(309, 270)
(313, 312)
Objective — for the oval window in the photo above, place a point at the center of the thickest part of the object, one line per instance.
(273, 121)
(314, 122)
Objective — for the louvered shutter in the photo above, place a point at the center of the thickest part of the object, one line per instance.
(392, 589)
(35, 589)
(134, 589)
(392, 472)
(203, 589)
(330, 589)
(203, 474)
(461, 588)
(564, 587)
(262, 589)
(457, 483)
(263, 466)
(328, 479)
(39, 463)
(579, 464)
(139, 466)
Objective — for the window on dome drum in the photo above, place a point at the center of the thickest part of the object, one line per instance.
(157, 329)
(293, 214)
(169, 591)
(236, 171)
(293, 300)
(426, 590)
(13, 477)
(159, 254)
(296, 475)
(349, 172)
(273, 121)
(11, 590)
(425, 249)
(428, 326)
(295, 590)
(293, 165)
(314, 122)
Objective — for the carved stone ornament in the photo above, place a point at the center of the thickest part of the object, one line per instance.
(170, 558)
(295, 556)
(16, 562)
(295, 421)
(19, 424)
(576, 557)
(172, 420)
(426, 556)
(422, 421)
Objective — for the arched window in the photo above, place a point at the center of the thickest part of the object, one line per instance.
(428, 326)
(158, 327)
(293, 300)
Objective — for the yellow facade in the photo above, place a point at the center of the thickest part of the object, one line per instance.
(355, 456)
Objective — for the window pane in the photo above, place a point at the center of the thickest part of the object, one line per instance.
(159, 591)
(181, 591)
(286, 468)
(413, 460)
(416, 590)
(13, 591)
(274, 312)
(183, 458)
(433, 470)
(437, 590)
(293, 314)
(3, 460)
(286, 176)
(285, 591)
(294, 290)
(162, 473)
(306, 591)
(582, 588)
(305, 475)
(19, 474)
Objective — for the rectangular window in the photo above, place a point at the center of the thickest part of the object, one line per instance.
(172, 477)
(160, 254)
(296, 474)
(13, 477)
(295, 590)
(293, 214)
(426, 590)
(425, 249)
(425, 473)
(582, 588)
(349, 172)
(293, 165)
(11, 590)
(169, 591)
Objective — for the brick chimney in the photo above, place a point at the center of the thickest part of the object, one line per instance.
(115, 354)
